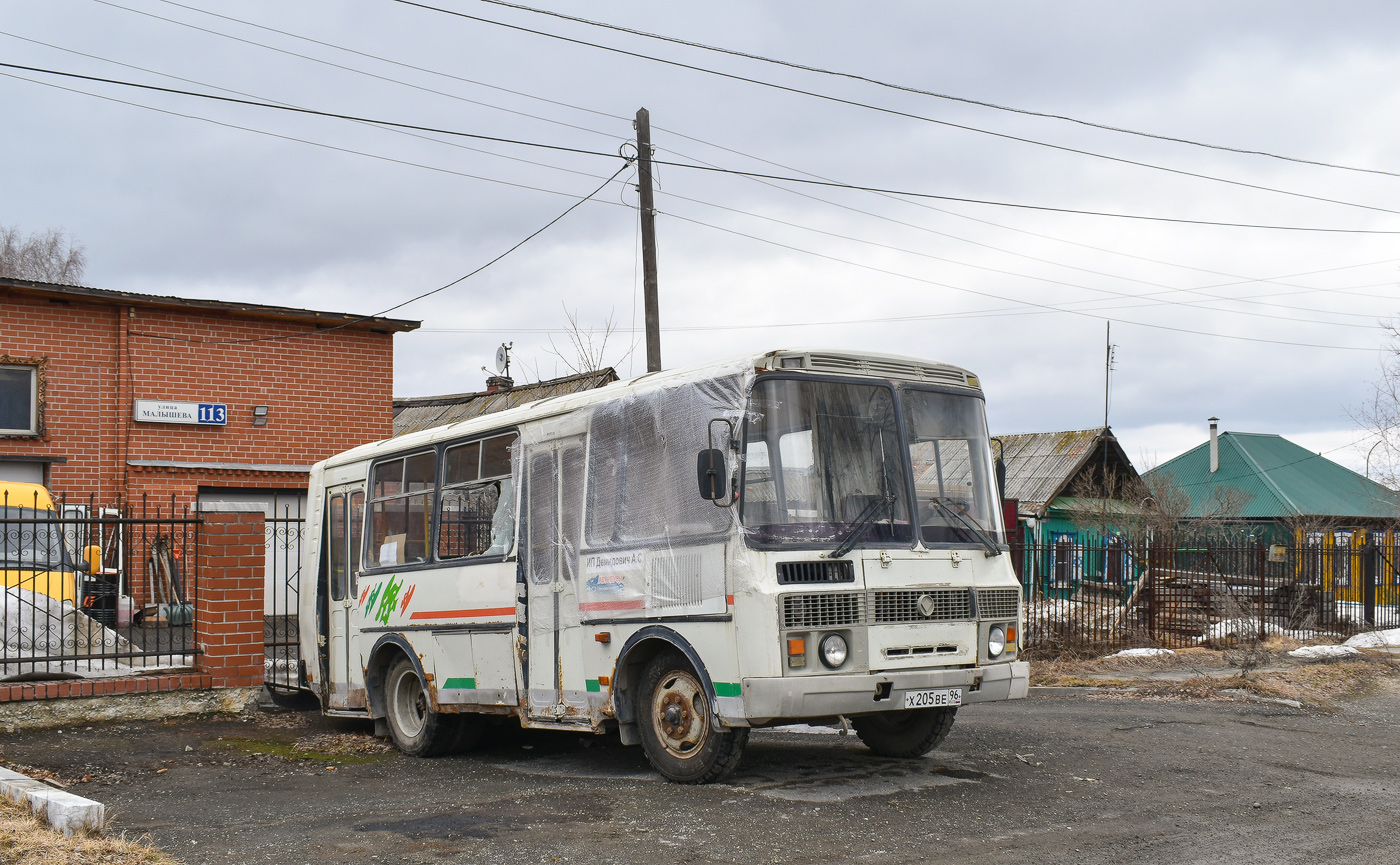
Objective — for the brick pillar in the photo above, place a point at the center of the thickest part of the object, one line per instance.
(229, 606)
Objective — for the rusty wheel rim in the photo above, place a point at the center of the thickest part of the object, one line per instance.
(680, 714)
(410, 703)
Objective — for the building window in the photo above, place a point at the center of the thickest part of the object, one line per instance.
(19, 400)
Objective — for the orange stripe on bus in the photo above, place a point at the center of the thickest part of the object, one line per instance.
(463, 614)
(613, 605)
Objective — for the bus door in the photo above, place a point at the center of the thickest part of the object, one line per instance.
(553, 506)
(344, 523)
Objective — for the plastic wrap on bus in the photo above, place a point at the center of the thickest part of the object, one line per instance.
(611, 506)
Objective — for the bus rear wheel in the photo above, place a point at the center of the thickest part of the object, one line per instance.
(674, 719)
(417, 730)
(907, 733)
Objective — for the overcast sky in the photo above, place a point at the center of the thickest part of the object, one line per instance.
(1271, 330)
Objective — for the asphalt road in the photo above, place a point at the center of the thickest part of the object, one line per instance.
(1050, 779)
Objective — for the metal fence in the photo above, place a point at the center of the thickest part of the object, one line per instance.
(284, 533)
(92, 591)
(1097, 594)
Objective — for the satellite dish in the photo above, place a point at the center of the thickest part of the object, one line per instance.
(502, 359)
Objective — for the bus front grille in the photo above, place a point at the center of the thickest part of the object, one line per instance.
(944, 605)
(839, 571)
(998, 603)
(824, 610)
(880, 607)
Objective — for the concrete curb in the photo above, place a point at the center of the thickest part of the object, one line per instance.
(65, 812)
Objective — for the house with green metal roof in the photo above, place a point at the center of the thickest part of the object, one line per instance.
(1265, 478)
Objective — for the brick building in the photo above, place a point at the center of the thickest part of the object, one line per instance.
(120, 395)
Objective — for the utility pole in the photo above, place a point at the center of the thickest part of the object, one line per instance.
(649, 302)
(1107, 368)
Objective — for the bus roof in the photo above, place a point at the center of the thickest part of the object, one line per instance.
(814, 360)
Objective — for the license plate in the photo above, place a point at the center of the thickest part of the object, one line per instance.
(933, 699)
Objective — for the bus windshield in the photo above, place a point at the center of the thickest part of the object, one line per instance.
(953, 474)
(823, 462)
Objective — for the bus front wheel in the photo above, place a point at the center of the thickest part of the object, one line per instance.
(417, 730)
(674, 719)
(907, 733)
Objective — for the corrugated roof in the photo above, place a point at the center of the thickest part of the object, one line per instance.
(1040, 465)
(425, 412)
(1280, 479)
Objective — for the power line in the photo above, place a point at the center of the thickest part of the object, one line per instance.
(364, 72)
(685, 198)
(1044, 306)
(705, 142)
(450, 76)
(894, 112)
(1118, 294)
(759, 216)
(405, 132)
(685, 165)
(1165, 288)
(536, 233)
(673, 132)
(350, 151)
(949, 97)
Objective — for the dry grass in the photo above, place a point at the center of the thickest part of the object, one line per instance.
(26, 841)
(1223, 674)
(1065, 668)
(342, 744)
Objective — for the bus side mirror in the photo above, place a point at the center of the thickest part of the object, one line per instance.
(713, 477)
(1001, 478)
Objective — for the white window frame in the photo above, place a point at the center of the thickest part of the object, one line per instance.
(33, 401)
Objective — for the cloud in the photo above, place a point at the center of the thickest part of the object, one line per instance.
(181, 206)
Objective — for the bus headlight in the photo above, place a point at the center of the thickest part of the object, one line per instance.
(833, 650)
(996, 641)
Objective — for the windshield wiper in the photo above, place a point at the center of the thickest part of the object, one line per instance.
(952, 510)
(863, 521)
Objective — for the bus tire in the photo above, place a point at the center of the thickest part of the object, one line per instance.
(673, 717)
(416, 729)
(906, 733)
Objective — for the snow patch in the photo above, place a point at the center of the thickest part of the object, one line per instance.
(1323, 653)
(1248, 629)
(1375, 640)
(1141, 653)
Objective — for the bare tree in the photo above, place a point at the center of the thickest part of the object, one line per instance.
(587, 348)
(49, 256)
(1380, 416)
(1156, 506)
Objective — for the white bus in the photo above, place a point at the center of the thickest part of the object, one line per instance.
(798, 536)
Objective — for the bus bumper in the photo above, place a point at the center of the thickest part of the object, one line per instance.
(853, 694)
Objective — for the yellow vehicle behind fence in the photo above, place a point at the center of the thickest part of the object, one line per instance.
(32, 552)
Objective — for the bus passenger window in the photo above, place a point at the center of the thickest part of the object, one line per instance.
(401, 513)
(357, 536)
(476, 512)
(335, 542)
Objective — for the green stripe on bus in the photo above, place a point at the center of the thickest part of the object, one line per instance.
(460, 683)
(728, 689)
(592, 685)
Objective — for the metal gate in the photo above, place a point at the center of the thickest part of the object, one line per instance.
(284, 533)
